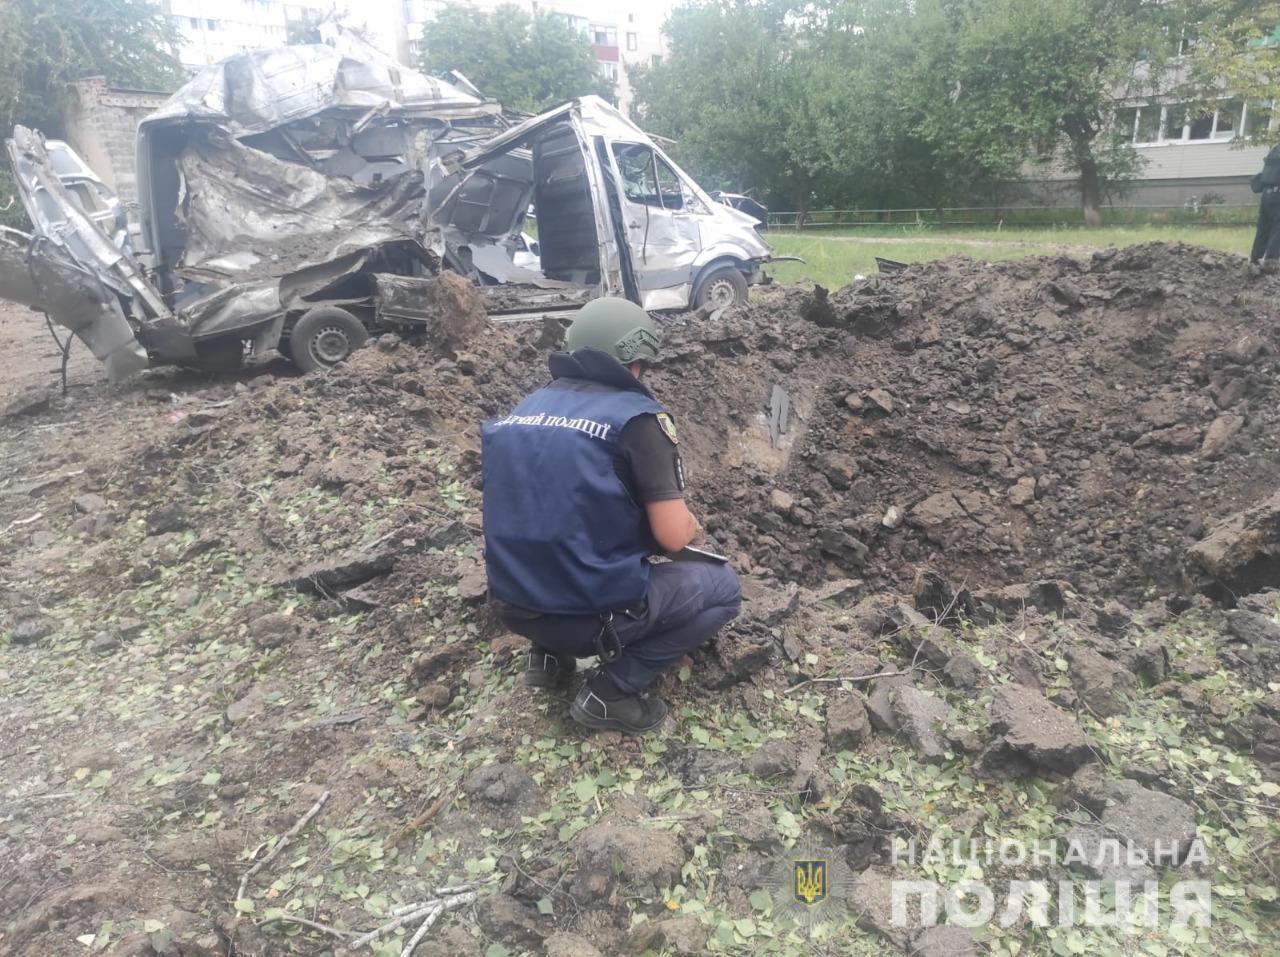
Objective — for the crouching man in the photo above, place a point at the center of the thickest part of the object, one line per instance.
(582, 484)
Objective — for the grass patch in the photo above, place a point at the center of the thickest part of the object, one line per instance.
(834, 257)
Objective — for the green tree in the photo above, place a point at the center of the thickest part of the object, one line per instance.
(746, 91)
(45, 45)
(1051, 74)
(525, 62)
(908, 134)
(1236, 51)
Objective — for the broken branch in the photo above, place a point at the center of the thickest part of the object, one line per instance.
(430, 919)
(815, 681)
(418, 821)
(22, 521)
(428, 911)
(281, 844)
(314, 925)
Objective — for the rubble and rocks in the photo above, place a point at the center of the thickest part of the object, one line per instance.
(1001, 472)
(1159, 825)
(623, 857)
(678, 936)
(1034, 734)
(847, 722)
(933, 476)
(1240, 554)
(499, 784)
(919, 717)
(27, 631)
(1103, 686)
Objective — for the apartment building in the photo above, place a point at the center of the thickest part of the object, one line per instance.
(1190, 153)
(213, 29)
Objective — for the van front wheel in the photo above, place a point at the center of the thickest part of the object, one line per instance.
(325, 336)
(725, 286)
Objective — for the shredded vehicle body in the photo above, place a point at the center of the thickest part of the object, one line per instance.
(613, 212)
(281, 193)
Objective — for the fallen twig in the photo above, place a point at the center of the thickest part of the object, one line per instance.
(22, 521)
(430, 919)
(281, 844)
(839, 678)
(418, 821)
(435, 895)
(314, 925)
(405, 918)
(428, 911)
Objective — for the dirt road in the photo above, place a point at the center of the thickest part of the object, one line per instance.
(32, 360)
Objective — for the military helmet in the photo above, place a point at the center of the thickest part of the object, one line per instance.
(616, 326)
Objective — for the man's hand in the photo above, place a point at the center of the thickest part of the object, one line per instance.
(672, 524)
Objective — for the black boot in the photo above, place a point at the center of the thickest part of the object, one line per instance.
(548, 671)
(601, 706)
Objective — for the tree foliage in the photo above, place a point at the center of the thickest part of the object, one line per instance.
(1052, 73)
(885, 103)
(45, 45)
(524, 61)
(742, 91)
(1236, 50)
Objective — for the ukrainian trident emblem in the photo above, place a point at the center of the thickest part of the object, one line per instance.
(809, 882)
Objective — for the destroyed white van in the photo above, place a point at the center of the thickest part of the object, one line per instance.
(299, 199)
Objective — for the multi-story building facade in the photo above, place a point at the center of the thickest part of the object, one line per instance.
(211, 30)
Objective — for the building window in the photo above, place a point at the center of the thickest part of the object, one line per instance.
(632, 43)
(1148, 124)
(1257, 117)
(1175, 118)
(1176, 123)
(1201, 127)
(195, 22)
(1227, 121)
(211, 24)
(610, 70)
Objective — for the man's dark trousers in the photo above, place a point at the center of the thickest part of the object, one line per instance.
(1266, 242)
(687, 603)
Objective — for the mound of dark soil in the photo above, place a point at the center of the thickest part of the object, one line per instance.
(1041, 418)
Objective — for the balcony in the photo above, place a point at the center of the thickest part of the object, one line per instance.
(605, 54)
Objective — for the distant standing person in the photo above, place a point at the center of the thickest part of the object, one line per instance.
(1266, 243)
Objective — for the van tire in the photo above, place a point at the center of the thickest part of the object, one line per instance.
(325, 336)
(723, 286)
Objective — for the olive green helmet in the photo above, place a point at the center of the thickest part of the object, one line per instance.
(616, 326)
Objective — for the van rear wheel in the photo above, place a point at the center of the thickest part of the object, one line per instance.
(325, 336)
(725, 286)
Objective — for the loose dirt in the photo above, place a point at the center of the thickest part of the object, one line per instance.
(224, 597)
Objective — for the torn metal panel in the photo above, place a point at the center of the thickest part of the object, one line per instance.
(44, 277)
(79, 277)
(500, 300)
(259, 90)
(497, 263)
(250, 215)
(231, 308)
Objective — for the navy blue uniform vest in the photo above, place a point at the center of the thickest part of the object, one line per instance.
(563, 535)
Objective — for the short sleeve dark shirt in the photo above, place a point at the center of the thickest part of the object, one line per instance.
(652, 461)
